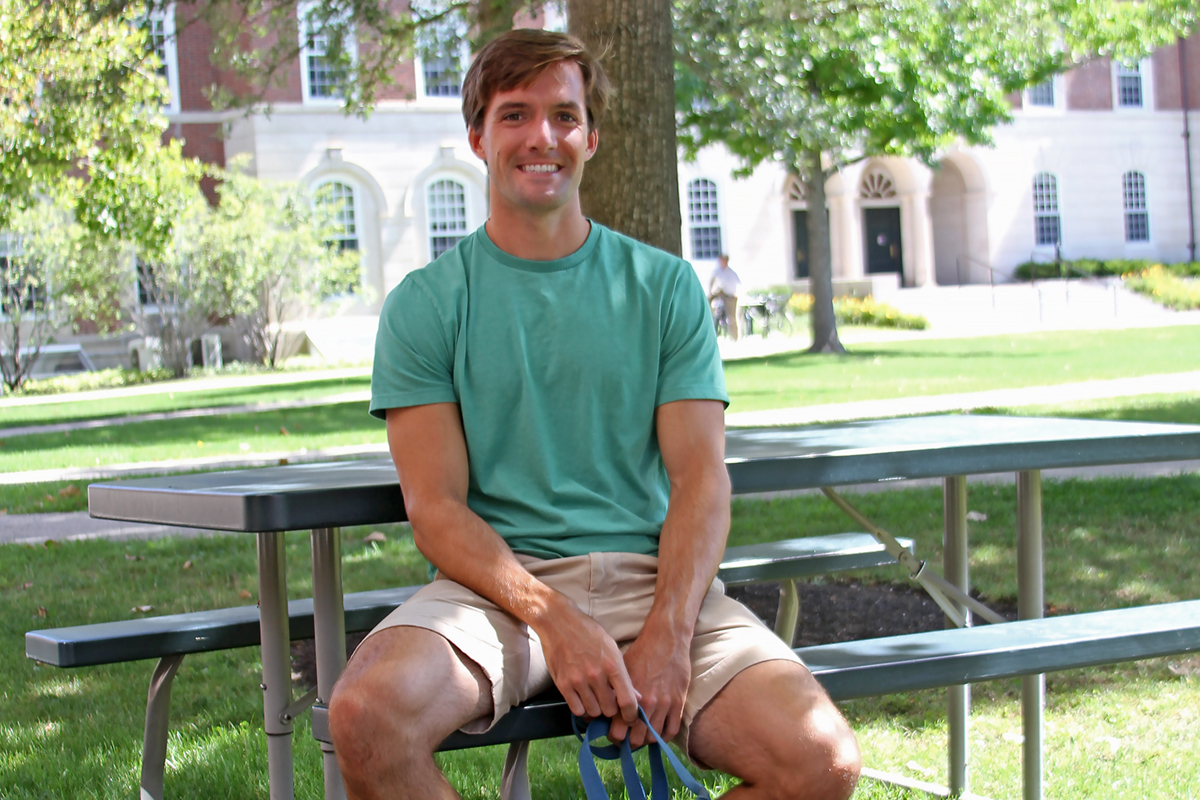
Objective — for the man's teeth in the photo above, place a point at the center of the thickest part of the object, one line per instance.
(540, 168)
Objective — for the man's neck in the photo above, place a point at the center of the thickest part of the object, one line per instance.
(543, 237)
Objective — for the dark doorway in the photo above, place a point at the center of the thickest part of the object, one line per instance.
(882, 248)
(800, 231)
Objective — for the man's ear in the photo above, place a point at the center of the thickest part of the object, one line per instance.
(475, 139)
(593, 141)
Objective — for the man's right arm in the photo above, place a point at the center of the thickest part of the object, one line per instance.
(429, 449)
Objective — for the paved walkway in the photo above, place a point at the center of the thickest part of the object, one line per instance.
(943, 403)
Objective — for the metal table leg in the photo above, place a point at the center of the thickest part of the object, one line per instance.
(1030, 602)
(329, 623)
(954, 558)
(277, 670)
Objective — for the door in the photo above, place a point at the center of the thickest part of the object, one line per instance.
(800, 233)
(882, 248)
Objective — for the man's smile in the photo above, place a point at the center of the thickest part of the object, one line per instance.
(540, 167)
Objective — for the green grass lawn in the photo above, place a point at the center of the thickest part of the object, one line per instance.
(64, 409)
(1125, 731)
(885, 370)
(948, 366)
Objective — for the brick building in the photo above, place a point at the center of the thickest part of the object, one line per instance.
(1093, 163)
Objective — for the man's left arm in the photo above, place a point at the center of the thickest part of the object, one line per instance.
(691, 437)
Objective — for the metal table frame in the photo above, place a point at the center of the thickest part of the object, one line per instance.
(324, 497)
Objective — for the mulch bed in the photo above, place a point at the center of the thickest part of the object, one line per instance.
(847, 610)
(829, 612)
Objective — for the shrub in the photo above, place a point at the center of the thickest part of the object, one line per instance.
(100, 379)
(1165, 288)
(1094, 268)
(866, 311)
(800, 303)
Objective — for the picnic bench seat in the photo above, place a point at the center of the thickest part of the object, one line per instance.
(171, 637)
(873, 667)
(930, 660)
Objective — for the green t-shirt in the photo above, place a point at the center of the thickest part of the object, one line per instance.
(557, 368)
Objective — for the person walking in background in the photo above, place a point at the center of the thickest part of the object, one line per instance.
(723, 286)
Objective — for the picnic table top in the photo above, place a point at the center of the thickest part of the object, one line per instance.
(335, 494)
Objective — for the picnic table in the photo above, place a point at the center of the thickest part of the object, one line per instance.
(325, 497)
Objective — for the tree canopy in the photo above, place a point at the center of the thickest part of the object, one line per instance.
(819, 84)
(80, 119)
(772, 79)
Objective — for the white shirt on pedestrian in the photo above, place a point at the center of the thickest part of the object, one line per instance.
(726, 280)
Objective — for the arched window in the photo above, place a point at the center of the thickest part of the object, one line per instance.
(876, 185)
(446, 210)
(1046, 223)
(1137, 217)
(704, 219)
(337, 200)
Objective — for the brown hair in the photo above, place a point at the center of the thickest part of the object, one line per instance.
(516, 59)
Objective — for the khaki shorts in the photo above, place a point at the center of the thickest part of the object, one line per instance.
(615, 589)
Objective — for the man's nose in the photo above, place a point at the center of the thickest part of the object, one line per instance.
(541, 134)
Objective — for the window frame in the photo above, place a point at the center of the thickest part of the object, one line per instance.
(1139, 213)
(355, 204)
(1058, 89)
(170, 52)
(306, 53)
(465, 220)
(716, 224)
(1145, 73)
(10, 248)
(1040, 214)
(421, 88)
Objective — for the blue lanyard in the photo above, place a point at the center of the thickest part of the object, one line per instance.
(659, 789)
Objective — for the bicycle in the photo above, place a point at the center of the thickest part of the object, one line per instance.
(769, 312)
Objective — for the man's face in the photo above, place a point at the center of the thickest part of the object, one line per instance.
(535, 140)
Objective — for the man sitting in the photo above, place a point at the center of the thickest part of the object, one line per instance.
(555, 409)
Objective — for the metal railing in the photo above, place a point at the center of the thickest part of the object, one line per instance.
(958, 261)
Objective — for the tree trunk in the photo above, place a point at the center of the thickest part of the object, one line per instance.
(632, 184)
(820, 265)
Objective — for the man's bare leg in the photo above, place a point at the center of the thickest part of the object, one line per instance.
(404, 691)
(774, 727)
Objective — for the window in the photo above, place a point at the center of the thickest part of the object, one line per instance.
(18, 284)
(337, 200)
(145, 282)
(1129, 85)
(704, 219)
(442, 52)
(1042, 94)
(1046, 222)
(321, 76)
(1137, 218)
(446, 210)
(160, 38)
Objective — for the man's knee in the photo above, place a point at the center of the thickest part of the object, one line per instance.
(830, 762)
(406, 687)
(774, 727)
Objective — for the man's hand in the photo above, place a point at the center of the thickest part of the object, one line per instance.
(586, 665)
(660, 666)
